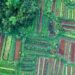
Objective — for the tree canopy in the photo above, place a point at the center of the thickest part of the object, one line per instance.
(16, 15)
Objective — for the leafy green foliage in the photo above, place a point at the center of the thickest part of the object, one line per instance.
(16, 15)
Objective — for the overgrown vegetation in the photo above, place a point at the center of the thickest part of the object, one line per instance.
(17, 15)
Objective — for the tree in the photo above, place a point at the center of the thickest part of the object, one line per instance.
(16, 15)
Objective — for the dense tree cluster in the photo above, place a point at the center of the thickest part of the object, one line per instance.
(15, 15)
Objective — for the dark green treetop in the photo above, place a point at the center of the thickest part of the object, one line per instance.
(17, 15)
